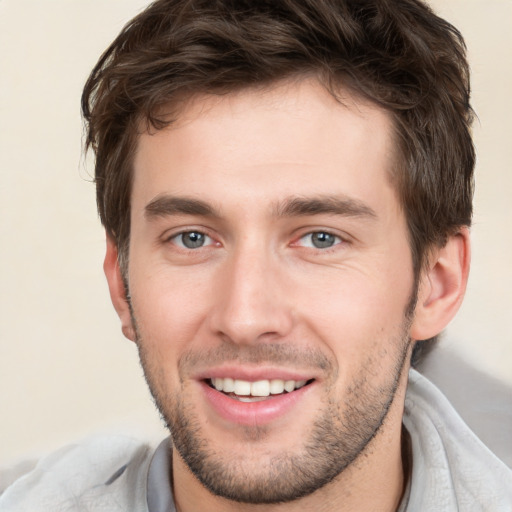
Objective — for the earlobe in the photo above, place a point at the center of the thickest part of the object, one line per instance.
(442, 287)
(117, 288)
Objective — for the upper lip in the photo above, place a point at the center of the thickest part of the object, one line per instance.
(254, 373)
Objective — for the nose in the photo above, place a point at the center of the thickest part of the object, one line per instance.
(252, 302)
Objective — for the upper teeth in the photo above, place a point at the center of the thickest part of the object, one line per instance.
(258, 388)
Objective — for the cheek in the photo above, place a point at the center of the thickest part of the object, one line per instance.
(169, 311)
(356, 313)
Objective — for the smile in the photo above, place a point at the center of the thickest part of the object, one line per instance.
(254, 402)
(246, 391)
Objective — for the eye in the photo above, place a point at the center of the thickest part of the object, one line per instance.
(191, 240)
(320, 240)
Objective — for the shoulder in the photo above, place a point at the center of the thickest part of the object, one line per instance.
(451, 466)
(101, 473)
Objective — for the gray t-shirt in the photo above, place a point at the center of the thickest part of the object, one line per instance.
(451, 469)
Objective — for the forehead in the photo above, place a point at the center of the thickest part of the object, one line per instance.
(292, 139)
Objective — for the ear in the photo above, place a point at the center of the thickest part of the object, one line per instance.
(442, 287)
(117, 289)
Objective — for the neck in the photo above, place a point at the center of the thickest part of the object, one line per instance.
(363, 487)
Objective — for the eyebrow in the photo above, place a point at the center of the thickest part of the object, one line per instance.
(163, 206)
(333, 205)
(166, 205)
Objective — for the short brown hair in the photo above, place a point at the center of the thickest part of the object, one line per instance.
(397, 53)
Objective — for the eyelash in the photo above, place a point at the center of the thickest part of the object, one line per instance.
(176, 236)
(209, 240)
(336, 239)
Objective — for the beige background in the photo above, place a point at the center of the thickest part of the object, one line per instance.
(65, 370)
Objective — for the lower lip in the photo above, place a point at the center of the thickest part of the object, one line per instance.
(252, 413)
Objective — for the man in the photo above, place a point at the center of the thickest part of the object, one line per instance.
(286, 189)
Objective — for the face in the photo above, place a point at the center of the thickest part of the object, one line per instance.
(270, 275)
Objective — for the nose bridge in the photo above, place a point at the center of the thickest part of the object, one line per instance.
(251, 304)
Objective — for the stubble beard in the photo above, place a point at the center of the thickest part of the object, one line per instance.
(337, 437)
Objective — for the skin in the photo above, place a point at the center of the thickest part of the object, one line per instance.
(259, 296)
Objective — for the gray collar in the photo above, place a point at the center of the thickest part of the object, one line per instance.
(159, 490)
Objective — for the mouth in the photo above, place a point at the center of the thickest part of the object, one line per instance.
(255, 391)
(256, 396)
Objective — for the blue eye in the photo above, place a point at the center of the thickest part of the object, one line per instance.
(320, 240)
(191, 239)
